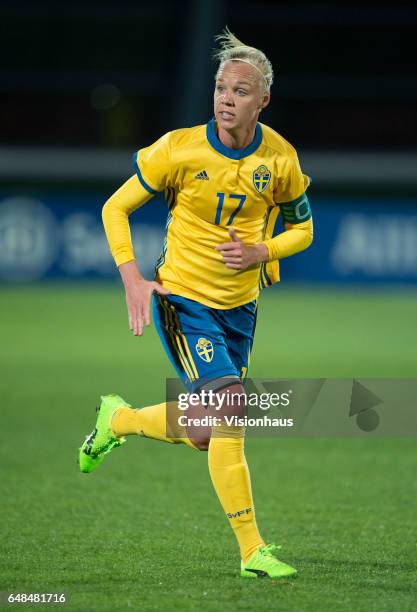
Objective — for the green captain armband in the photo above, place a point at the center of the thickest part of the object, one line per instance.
(296, 211)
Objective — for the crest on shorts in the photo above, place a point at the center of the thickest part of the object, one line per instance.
(261, 177)
(205, 349)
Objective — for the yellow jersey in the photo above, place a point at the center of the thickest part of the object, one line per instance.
(210, 187)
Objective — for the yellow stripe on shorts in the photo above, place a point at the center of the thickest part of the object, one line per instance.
(185, 343)
(176, 344)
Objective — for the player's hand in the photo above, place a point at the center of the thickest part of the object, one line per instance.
(238, 255)
(138, 296)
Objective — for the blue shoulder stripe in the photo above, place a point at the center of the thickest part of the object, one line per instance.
(140, 177)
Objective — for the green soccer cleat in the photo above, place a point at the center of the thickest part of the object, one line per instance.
(263, 564)
(101, 440)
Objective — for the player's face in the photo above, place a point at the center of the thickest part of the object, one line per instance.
(239, 96)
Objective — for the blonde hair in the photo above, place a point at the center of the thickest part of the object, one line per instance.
(233, 49)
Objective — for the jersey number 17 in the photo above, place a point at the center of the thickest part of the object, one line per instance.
(233, 196)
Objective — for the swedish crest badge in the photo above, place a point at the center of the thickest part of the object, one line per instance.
(205, 349)
(261, 177)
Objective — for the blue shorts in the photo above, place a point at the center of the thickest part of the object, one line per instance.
(205, 344)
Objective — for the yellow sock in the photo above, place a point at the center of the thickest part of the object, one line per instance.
(150, 422)
(231, 479)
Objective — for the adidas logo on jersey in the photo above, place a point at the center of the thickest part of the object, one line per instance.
(202, 176)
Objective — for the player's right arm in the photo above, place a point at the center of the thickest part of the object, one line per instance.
(129, 197)
(138, 296)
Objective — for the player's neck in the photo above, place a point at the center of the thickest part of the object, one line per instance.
(237, 139)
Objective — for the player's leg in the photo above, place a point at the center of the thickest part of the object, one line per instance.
(231, 479)
(160, 422)
(227, 463)
(117, 419)
(229, 470)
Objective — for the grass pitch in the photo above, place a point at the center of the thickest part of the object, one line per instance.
(146, 531)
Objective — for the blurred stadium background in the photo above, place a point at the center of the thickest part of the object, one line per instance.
(88, 84)
(84, 85)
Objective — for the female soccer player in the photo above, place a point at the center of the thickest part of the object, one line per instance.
(225, 183)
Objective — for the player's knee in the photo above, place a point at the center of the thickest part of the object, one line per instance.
(232, 401)
(201, 444)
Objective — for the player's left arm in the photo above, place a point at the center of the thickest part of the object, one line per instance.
(239, 256)
(291, 197)
(296, 237)
(296, 214)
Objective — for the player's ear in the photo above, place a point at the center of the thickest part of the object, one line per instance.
(265, 100)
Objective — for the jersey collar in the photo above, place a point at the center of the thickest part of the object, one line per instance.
(227, 151)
